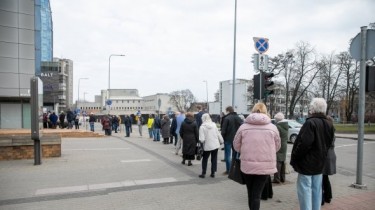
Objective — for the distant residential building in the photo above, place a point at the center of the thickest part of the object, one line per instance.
(242, 98)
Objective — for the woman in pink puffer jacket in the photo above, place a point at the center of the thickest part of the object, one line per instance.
(257, 140)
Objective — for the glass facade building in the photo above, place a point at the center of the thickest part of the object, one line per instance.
(46, 31)
(20, 56)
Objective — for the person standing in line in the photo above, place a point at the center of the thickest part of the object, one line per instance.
(231, 123)
(257, 140)
(329, 169)
(115, 123)
(309, 155)
(283, 127)
(45, 120)
(53, 119)
(62, 119)
(92, 122)
(150, 126)
(179, 119)
(190, 136)
(140, 124)
(157, 127)
(173, 129)
(198, 116)
(165, 129)
(106, 122)
(70, 117)
(128, 124)
(211, 140)
(76, 122)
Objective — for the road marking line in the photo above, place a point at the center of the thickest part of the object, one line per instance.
(80, 188)
(348, 145)
(58, 190)
(135, 161)
(96, 149)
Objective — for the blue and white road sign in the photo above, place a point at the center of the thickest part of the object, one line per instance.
(109, 102)
(261, 44)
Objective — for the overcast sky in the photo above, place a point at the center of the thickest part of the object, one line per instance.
(177, 44)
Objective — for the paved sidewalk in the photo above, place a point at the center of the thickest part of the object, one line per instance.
(136, 173)
(367, 137)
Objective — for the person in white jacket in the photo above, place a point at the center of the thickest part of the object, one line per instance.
(211, 139)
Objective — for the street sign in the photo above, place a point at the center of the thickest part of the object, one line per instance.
(261, 44)
(109, 102)
(355, 46)
(262, 62)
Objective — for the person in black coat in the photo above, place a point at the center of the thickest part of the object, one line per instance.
(309, 154)
(230, 124)
(329, 169)
(189, 134)
(128, 124)
(173, 129)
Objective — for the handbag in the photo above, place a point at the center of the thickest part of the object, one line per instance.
(235, 172)
(199, 151)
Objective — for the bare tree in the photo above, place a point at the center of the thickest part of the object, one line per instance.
(329, 79)
(182, 99)
(351, 85)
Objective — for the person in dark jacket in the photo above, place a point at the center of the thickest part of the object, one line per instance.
(62, 119)
(198, 116)
(309, 154)
(128, 124)
(173, 129)
(70, 117)
(92, 122)
(329, 169)
(230, 124)
(190, 136)
(157, 127)
(53, 119)
(165, 129)
(283, 128)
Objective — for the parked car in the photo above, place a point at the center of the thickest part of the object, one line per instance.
(293, 130)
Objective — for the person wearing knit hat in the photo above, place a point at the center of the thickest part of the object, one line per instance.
(283, 127)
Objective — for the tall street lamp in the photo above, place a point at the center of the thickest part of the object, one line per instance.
(109, 72)
(79, 81)
(234, 53)
(206, 94)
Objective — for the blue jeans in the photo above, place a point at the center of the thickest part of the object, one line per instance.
(227, 154)
(309, 190)
(92, 126)
(127, 130)
(156, 134)
(151, 132)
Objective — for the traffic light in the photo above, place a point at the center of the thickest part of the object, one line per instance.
(267, 84)
(256, 89)
(370, 78)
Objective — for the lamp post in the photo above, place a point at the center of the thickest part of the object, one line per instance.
(109, 72)
(206, 94)
(234, 54)
(79, 80)
(84, 115)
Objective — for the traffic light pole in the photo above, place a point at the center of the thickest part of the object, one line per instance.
(260, 85)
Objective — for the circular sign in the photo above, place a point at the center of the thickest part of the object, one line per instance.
(261, 44)
(109, 102)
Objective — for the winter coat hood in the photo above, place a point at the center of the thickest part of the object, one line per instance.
(258, 119)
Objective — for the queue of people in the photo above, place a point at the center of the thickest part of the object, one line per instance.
(260, 145)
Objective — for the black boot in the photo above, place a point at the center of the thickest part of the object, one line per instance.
(183, 162)
(189, 163)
